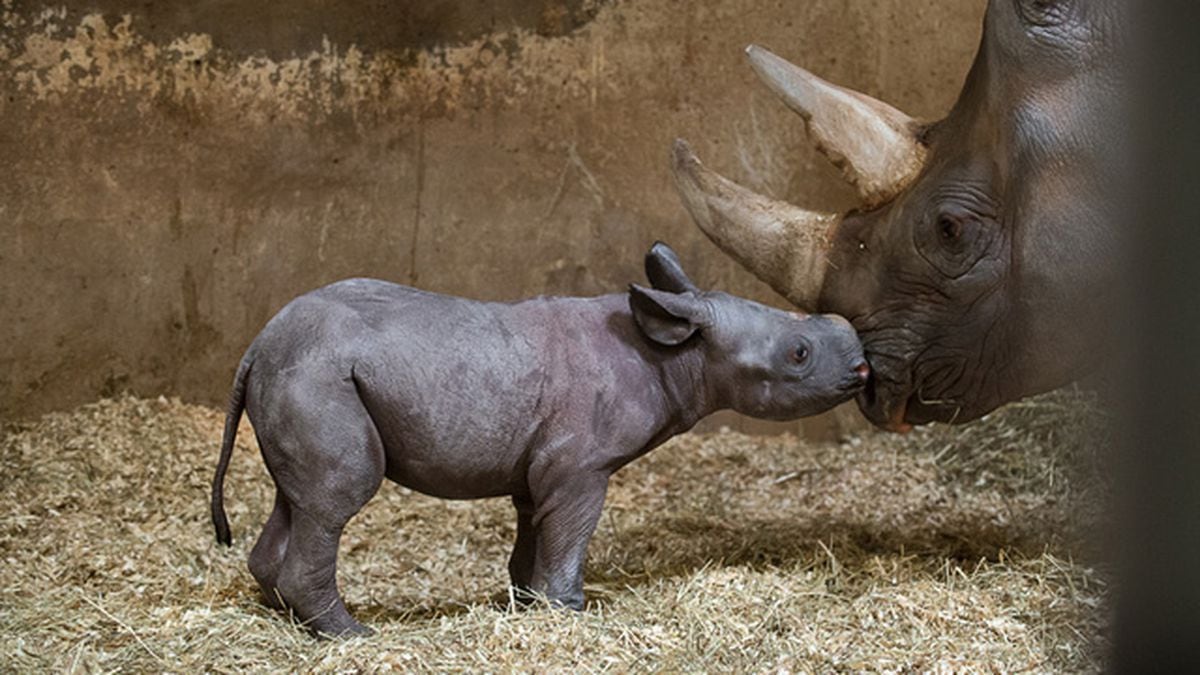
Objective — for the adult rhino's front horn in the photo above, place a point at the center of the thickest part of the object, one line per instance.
(782, 244)
(875, 145)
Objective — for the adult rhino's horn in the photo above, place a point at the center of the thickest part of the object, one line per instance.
(783, 245)
(874, 145)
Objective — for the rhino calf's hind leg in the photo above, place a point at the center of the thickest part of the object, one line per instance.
(267, 554)
(327, 463)
(308, 579)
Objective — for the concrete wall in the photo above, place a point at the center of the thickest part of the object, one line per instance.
(172, 173)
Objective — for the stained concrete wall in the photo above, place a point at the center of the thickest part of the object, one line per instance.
(171, 173)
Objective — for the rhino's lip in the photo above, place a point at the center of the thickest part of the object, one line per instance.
(894, 417)
(897, 419)
(885, 406)
(900, 409)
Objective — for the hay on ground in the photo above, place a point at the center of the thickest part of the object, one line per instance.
(951, 549)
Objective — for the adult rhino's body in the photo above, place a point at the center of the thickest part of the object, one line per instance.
(979, 267)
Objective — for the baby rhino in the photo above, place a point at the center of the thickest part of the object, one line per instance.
(542, 400)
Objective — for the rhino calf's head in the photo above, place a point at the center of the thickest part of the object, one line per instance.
(758, 361)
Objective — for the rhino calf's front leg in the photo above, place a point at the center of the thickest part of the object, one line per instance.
(520, 563)
(564, 520)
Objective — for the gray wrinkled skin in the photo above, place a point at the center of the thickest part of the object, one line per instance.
(991, 277)
(542, 400)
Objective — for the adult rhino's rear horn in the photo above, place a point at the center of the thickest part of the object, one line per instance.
(781, 244)
(874, 145)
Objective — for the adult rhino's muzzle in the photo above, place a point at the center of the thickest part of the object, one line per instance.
(907, 391)
(885, 398)
(900, 410)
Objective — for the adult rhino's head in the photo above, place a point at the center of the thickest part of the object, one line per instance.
(974, 269)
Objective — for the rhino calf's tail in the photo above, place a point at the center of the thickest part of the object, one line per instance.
(237, 403)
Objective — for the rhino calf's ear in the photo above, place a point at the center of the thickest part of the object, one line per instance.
(665, 272)
(667, 318)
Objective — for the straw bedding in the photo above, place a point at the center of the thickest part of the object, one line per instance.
(952, 549)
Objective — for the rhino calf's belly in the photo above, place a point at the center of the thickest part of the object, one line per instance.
(458, 445)
(464, 472)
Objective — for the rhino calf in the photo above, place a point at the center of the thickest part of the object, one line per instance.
(541, 400)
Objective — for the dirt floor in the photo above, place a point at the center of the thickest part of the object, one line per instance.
(951, 549)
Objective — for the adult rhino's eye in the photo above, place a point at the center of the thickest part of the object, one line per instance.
(950, 230)
(1043, 13)
(953, 240)
(800, 355)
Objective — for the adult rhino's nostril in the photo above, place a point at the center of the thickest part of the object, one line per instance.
(863, 371)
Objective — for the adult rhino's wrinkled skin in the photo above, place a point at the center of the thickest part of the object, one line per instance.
(980, 267)
(541, 400)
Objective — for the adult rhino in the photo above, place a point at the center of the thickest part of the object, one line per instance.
(976, 269)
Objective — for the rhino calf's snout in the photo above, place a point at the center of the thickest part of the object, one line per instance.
(863, 371)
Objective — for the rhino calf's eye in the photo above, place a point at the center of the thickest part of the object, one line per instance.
(800, 355)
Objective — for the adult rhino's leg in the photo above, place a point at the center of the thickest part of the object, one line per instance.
(327, 460)
(520, 563)
(268, 552)
(565, 518)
